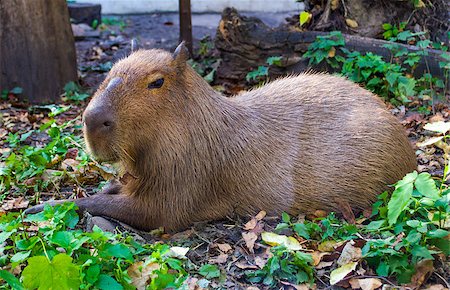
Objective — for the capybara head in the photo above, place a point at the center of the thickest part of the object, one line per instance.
(130, 104)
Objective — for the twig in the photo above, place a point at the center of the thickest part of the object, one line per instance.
(442, 278)
(345, 8)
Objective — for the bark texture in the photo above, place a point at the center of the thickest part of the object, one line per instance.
(245, 43)
(37, 48)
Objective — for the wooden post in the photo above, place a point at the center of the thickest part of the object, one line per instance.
(185, 23)
(37, 48)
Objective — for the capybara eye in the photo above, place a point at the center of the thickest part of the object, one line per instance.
(156, 84)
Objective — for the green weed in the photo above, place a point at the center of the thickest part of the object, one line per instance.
(59, 254)
(261, 74)
(22, 166)
(73, 93)
(285, 265)
(392, 80)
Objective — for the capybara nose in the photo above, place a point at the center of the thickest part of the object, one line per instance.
(98, 120)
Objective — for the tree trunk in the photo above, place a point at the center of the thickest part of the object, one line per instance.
(245, 43)
(37, 49)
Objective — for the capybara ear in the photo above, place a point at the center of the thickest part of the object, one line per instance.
(181, 55)
(134, 45)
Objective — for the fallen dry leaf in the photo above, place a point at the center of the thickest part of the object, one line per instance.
(222, 258)
(260, 215)
(365, 284)
(250, 239)
(329, 246)
(15, 204)
(351, 23)
(297, 287)
(251, 224)
(334, 4)
(430, 141)
(332, 52)
(317, 257)
(416, 117)
(340, 273)
(224, 247)
(346, 211)
(177, 252)
(438, 127)
(252, 288)
(349, 254)
(423, 269)
(141, 273)
(71, 165)
(71, 153)
(260, 262)
(192, 283)
(245, 266)
(53, 176)
(320, 213)
(436, 118)
(3, 132)
(273, 239)
(436, 287)
(322, 265)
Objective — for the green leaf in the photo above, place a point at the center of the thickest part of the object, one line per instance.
(421, 252)
(375, 225)
(304, 257)
(118, 251)
(438, 233)
(209, 271)
(5, 235)
(19, 257)
(62, 239)
(304, 17)
(16, 91)
(92, 273)
(401, 197)
(383, 269)
(106, 282)
(392, 77)
(60, 273)
(285, 217)
(281, 226)
(414, 237)
(301, 230)
(442, 244)
(274, 60)
(387, 26)
(413, 223)
(11, 280)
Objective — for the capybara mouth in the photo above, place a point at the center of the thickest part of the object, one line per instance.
(101, 150)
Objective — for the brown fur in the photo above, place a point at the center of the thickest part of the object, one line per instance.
(297, 144)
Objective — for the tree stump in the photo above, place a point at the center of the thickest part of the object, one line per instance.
(37, 48)
(245, 43)
(87, 13)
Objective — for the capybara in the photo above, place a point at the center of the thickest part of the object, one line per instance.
(297, 144)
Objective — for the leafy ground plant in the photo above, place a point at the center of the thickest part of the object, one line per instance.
(391, 80)
(205, 63)
(73, 93)
(46, 251)
(261, 74)
(23, 163)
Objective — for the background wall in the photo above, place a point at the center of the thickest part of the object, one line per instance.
(198, 6)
